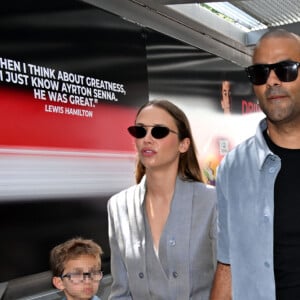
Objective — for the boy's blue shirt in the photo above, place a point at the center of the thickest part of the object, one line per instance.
(93, 298)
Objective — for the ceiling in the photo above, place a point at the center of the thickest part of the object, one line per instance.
(190, 23)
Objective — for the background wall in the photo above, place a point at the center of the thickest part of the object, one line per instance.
(215, 94)
(71, 79)
(61, 160)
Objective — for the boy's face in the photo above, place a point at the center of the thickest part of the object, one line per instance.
(77, 289)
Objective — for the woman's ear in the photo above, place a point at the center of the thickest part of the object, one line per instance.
(58, 283)
(184, 145)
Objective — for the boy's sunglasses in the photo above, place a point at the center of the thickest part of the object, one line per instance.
(158, 132)
(286, 71)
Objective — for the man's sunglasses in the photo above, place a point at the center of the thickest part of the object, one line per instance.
(286, 71)
(158, 132)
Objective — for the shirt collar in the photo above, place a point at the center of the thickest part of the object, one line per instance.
(262, 148)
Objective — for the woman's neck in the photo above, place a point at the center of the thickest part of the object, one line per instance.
(160, 185)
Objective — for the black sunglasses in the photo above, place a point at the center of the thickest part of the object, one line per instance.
(286, 71)
(157, 131)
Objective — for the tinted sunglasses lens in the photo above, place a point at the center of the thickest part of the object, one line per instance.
(258, 74)
(159, 132)
(137, 131)
(286, 71)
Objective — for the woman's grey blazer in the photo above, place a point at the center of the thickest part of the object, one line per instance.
(193, 213)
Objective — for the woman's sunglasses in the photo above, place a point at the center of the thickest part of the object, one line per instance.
(286, 71)
(158, 132)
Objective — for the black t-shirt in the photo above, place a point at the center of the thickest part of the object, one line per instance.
(287, 223)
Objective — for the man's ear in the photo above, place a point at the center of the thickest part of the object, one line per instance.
(184, 145)
(58, 283)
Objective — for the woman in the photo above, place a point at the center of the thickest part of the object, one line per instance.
(162, 230)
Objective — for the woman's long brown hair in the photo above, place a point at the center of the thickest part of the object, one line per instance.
(188, 167)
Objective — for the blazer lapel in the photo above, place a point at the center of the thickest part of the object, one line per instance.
(180, 219)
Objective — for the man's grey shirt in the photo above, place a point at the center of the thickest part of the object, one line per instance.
(245, 191)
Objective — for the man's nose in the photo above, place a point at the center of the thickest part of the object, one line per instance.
(273, 79)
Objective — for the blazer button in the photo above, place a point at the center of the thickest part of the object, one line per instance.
(175, 274)
(141, 275)
(172, 242)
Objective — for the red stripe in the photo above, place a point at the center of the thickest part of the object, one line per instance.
(26, 123)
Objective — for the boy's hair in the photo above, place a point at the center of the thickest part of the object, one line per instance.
(71, 249)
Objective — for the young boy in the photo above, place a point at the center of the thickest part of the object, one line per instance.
(76, 268)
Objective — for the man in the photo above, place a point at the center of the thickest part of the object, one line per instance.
(258, 185)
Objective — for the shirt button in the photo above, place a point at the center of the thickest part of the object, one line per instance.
(141, 275)
(172, 243)
(267, 265)
(272, 170)
(175, 274)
